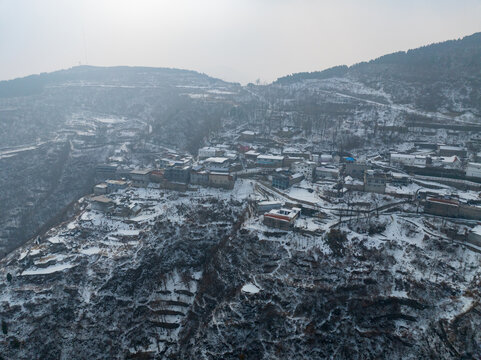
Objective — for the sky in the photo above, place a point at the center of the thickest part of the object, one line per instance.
(236, 40)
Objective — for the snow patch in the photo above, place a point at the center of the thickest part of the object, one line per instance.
(47, 270)
(90, 251)
(250, 288)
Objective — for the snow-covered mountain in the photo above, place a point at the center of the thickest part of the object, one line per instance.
(55, 128)
(443, 77)
(195, 273)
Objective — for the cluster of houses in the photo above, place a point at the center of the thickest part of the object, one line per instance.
(107, 205)
(451, 208)
(214, 168)
(439, 160)
(287, 166)
(361, 176)
(250, 154)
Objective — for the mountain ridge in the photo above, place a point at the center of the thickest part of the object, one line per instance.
(473, 41)
(340, 70)
(35, 83)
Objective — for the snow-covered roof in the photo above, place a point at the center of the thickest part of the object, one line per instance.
(449, 159)
(477, 230)
(474, 165)
(141, 172)
(327, 169)
(284, 214)
(102, 199)
(291, 150)
(402, 156)
(217, 160)
(270, 157)
(116, 182)
(450, 147)
(197, 167)
(218, 173)
(398, 175)
(231, 155)
(267, 203)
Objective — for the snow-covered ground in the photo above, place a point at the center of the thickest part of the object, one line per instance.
(91, 250)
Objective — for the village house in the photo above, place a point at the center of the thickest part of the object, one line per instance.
(231, 155)
(451, 208)
(283, 219)
(140, 178)
(306, 168)
(114, 185)
(247, 135)
(441, 207)
(102, 203)
(473, 170)
(325, 158)
(449, 150)
(166, 162)
(179, 174)
(399, 179)
(208, 151)
(127, 210)
(283, 180)
(353, 184)
(199, 176)
(100, 189)
(408, 160)
(324, 172)
(157, 176)
(288, 161)
(375, 181)
(251, 155)
(270, 161)
(217, 164)
(293, 152)
(448, 162)
(266, 206)
(221, 180)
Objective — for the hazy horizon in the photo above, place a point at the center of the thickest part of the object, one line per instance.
(237, 41)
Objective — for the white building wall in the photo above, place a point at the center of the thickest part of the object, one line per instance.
(473, 170)
(408, 160)
(305, 168)
(207, 152)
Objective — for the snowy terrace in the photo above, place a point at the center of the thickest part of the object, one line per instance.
(114, 236)
(87, 253)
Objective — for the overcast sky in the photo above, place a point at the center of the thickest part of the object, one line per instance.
(237, 40)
